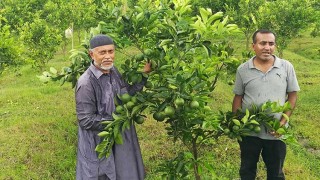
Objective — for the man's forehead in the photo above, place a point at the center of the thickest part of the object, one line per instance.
(266, 37)
(104, 48)
(266, 41)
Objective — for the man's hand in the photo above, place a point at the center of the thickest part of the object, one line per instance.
(275, 134)
(147, 67)
(282, 124)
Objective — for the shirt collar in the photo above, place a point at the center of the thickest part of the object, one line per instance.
(97, 72)
(276, 63)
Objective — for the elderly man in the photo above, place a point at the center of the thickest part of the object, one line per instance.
(95, 92)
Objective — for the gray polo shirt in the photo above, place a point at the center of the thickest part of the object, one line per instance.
(257, 87)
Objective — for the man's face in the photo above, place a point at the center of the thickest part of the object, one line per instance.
(103, 56)
(264, 46)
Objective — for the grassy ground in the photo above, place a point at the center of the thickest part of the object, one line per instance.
(38, 127)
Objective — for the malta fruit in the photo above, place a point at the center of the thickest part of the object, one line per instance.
(125, 98)
(159, 116)
(139, 57)
(119, 109)
(226, 131)
(148, 84)
(169, 111)
(139, 119)
(148, 52)
(257, 129)
(130, 105)
(194, 104)
(235, 128)
(179, 102)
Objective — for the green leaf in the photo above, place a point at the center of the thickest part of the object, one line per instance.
(204, 14)
(44, 79)
(199, 85)
(254, 122)
(236, 121)
(287, 106)
(126, 125)
(276, 124)
(53, 70)
(281, 131)
(116, 117)
(103, 134)
(106, 122)
(216, 16)
(208, 50)
(286, 117)
(118, 139)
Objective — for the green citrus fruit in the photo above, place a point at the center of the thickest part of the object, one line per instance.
(130, 105)
(169, 111)
(148, 84)
(235, 128)
(226, 131)
(139, 119)
(159, 116)
(257, 129)
(148, 52)
(251, 127)
(179, 102)
(271, 123)
(139, 57)
(194, 104)
(70, 78)
(134, 99)
(207, 108)
(136, 78)
(125, 97)
(119, 109)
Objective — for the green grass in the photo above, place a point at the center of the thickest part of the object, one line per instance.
(38, 127)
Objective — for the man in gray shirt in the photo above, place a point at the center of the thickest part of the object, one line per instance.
(95, 92)
(265, 77)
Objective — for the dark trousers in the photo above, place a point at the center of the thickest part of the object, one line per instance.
(273, 153)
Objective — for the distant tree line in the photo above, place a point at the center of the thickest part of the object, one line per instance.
(33, 31)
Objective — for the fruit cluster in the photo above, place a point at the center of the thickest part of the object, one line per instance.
(170, 110)
(128, 110)
(242, 124)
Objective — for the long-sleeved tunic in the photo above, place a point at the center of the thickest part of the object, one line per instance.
(94, 95)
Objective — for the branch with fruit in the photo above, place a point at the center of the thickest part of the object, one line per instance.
(128, 111)
(237, 125)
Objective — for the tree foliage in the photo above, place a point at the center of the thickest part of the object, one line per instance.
(286, 18)
(42, 41)
(244, 14)
(48, 18)
(189, 55)
(9, 46)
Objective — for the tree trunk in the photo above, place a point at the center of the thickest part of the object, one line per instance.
(195, 156)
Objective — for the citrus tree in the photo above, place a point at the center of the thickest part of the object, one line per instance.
(41, 40)
(286, 18)
(244, 15)
(10, 50)
(189, 55)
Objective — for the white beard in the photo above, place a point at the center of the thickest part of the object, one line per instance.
(103, 67)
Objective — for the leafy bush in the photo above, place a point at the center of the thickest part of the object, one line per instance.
(41, 41)
(10, 48)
